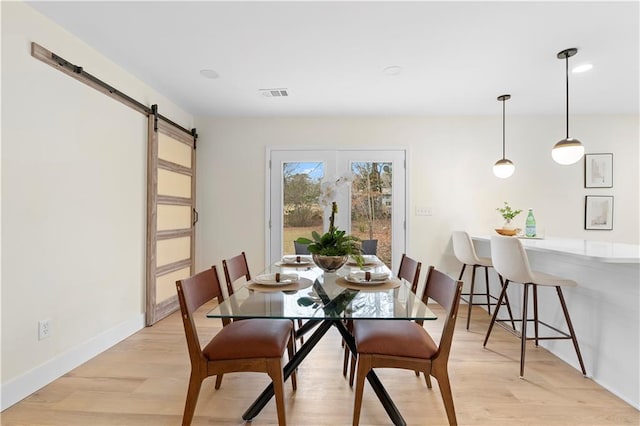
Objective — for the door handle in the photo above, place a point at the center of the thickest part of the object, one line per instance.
(195, 217)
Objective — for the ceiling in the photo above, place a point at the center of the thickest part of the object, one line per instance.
(456, 57)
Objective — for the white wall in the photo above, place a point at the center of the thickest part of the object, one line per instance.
(450, 163)
(73, 204)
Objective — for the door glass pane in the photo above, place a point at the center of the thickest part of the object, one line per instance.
(302, 212)
(371, 205)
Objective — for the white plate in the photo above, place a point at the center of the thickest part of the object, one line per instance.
(270, 279)
(359, 278)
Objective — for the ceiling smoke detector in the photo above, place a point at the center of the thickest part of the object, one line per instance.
(274, 93)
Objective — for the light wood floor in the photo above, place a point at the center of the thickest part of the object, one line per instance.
(143, 381)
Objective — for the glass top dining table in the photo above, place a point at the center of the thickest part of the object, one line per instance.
(324, 300)
(319, 295)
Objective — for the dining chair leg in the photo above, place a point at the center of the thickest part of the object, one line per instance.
(218, 381)
(473, 281)
(447, 397)
(523, 333)
(364, 366)
(352, 372)
(427, 379)
(571, 330)
(195, 383)
(274, 369)
(495, 312)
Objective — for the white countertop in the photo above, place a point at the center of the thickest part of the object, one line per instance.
(600, 251)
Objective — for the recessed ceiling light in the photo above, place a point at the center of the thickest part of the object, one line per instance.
(209, 74)
(392, 70)
(582, 68)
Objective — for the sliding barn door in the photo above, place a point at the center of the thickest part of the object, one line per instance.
(171, 215)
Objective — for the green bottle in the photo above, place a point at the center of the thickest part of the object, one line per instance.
(530, 225)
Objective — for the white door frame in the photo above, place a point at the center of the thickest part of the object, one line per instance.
(333, 153)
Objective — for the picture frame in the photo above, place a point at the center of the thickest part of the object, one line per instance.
(598, 212)
(598, 170)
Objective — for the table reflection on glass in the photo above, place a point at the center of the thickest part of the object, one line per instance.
(325, 300)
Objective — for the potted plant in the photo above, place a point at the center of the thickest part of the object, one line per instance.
(508, 214)
(331, 250)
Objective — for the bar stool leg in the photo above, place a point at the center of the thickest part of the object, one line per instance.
(523, 333)
(503, 293)
(506, 301)
(464, 265)
(473, 281)
(535, 312)
(486, 282)
(571, 331)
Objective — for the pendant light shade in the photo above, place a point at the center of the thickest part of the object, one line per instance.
(568, 150)
(503, 167)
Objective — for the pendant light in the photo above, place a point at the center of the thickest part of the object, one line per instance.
(503, 167)
(568, 150)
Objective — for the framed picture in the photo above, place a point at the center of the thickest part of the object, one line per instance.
(598, 212)
(598, 170)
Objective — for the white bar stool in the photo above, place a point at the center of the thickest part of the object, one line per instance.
(465, 252)
(510, 260)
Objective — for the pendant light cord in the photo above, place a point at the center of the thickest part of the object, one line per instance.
(503, 128)
(567, 79)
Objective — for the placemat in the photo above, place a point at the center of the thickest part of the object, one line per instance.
(299, 285)
(387, 285)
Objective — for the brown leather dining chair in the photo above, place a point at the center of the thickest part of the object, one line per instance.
(410, 271)
(235, 268)
(255, 345)
(406, 344)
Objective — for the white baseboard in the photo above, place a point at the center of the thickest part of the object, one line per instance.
(19, 388)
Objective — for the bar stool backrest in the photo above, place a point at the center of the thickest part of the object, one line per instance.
(463, 248)
(510, 260)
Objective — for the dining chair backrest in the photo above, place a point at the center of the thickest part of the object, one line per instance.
(235, 268)
(445, 291)
(510, 260)
(370, 247)
(194, 292)
(463, 248)
(300, 248)
(410, 270)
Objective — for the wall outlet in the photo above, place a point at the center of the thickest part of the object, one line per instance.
(44, 329)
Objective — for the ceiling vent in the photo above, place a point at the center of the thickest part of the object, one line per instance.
(274, 93)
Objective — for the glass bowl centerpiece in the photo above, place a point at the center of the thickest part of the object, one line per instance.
(331, 250)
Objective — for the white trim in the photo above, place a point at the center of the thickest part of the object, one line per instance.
(20, 387)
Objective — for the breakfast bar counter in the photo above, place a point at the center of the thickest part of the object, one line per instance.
(605, 306)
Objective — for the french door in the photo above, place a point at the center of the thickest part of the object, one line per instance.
(368, 185)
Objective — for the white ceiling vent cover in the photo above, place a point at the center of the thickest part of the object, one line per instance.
(274, 93)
